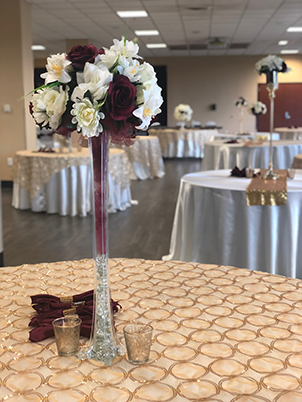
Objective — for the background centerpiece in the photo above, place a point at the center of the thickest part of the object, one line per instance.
(103, 94)
(271, 65)
(241, 104)
(183, 114)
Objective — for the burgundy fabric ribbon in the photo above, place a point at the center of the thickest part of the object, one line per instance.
(236, 172)
(51, 307)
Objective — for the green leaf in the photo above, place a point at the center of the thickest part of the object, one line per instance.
(102, 103)
(52, 84)
(135, 121)
(88, 95)
(114, 65)
(118, 124)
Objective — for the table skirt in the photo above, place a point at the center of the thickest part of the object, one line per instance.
(227, 157)
(188, 143)
(69, 192)
(215, 226)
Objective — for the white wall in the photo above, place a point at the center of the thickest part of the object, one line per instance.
(202, 81)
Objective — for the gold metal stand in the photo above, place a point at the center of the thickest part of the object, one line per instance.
(270, 174)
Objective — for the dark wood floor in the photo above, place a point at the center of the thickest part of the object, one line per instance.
(142, 231)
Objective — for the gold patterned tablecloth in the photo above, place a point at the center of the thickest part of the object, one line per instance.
(145, 151)
(220, 334)
(32, 170)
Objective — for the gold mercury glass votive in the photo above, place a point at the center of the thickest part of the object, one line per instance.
(67, 334)
(138, 339)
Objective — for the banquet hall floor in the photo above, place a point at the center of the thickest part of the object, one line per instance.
(142, 231)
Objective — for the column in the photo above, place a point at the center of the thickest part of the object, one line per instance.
(17, 128)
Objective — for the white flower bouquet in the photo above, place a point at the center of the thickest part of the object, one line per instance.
(183, 113)
(241, 102)
(91, 90)
(271, 63)
(257, 108)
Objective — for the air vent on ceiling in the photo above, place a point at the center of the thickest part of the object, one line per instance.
(239, 45)
(178, 47)
(198, 46)
(206, 8)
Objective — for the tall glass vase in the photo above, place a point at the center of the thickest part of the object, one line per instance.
(103, 346)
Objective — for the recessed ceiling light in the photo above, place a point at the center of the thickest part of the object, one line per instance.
(132, 14)
(156, 45)
(147, 33)
(282, 42)
(289, 51)
(38, 47)
(294, 29)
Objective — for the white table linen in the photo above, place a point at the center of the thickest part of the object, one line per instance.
(213, 224)
(183, 143)
(145, 157)
(289, 133)
(256, 135)
(69, 191)
(219, 155)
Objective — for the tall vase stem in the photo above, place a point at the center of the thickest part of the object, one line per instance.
(103, 346)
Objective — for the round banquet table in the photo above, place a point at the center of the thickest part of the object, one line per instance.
(145, 156)
(62, 183)
(213, 224)
(220, 334)
(183, 143)
(219, 155)
(287, 133)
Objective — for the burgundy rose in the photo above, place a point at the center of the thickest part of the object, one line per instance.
(31, 107)
(121, 98)
(284, 68)
(79, 55)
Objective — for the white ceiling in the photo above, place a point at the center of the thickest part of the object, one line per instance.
(258, 23)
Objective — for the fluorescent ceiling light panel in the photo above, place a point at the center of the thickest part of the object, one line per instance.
(147, 33)
(156, 45)
(132, 14)
(282, 42)
(289, 51)
(294, 29)
(38, 47)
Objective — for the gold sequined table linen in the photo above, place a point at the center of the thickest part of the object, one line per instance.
(183, 143)
(61, 182)
(145, 156)
(267, 192)
(220, 334)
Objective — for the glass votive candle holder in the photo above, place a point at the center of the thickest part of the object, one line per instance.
(138, 339)
(291, 173)
(67, 334)
(249, 172)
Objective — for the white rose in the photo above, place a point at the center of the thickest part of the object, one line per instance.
(146, 75)
(87, 117)
(96, 80)
(39, 107)
(107, 59)
(56, 100)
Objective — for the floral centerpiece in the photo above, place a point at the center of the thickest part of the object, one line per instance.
(271, 65)
(241, 104)
(103, 94)
(183, 113)
(257, 108)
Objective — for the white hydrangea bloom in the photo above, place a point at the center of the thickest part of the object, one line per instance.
(270, 63)
(183, 112)
(87, 117)
(56, 69)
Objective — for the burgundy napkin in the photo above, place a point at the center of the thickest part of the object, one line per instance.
(231, 142)
(236, 172)
(51, 307)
